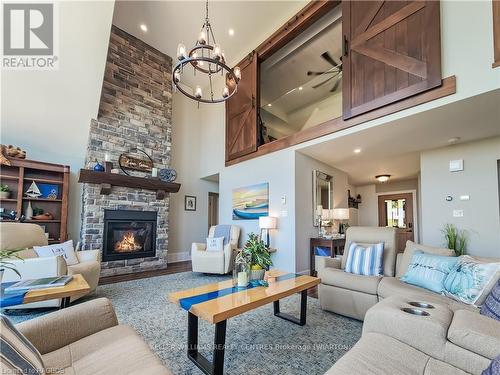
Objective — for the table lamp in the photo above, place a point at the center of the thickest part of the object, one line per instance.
(341, 214)
(266, 223)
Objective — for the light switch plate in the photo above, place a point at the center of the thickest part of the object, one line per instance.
(458, 213)
(283, 199)
(456, 165)
(284, 213)
(464, 197)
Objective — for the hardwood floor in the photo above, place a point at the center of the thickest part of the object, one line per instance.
(172, 268)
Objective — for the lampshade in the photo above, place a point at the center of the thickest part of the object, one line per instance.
(267, 222)
(341, 213)
(319, 210)
(327, 215)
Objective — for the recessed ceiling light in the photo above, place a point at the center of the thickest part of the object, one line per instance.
(383, 177)
(300, 88)
(453, 140)
(231, 32)
(357, 150)
(269, 105)
(143, 27)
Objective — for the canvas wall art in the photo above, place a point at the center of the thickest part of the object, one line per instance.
(251, 202)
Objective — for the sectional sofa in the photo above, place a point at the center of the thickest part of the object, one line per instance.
(452, 339)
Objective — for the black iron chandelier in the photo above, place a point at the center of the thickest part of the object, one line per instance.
(208, 60)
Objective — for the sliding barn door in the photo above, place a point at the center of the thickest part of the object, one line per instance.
(241, 113)
(392, 50)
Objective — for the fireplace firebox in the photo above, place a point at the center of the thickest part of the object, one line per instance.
(129, 234)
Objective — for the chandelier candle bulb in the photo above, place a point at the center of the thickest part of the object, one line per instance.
(217, 52)
(225, 92)
(237, 73)
(202, 39)
(181, 51)
(198, 93)
(177, 76)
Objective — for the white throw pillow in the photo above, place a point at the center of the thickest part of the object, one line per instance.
(215, 243)
(66, 250)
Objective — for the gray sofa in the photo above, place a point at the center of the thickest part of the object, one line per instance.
(452, 339)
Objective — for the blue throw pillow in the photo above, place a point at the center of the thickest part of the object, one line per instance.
(491, 306)
(493, 368)
(428, 271)
(366, 261)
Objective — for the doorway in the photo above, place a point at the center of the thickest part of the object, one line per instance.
(213, 209)
(396, 210)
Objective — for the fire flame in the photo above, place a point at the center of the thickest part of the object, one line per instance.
(127, 243)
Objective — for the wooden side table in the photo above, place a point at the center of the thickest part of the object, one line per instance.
(336, 246)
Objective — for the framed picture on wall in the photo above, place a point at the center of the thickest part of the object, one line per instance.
(189, 203)
(251, 202)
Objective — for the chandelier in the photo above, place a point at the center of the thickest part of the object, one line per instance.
(206, 58)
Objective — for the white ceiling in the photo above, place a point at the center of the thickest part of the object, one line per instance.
(394, 148)
(172, 22)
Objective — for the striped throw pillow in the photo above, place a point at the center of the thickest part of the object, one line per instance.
(18, 355)
(366, 261)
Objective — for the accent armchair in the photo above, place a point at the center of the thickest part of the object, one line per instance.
(219, 262)
(347, 293)
(25, 236)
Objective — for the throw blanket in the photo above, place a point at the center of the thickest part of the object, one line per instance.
(223, 231)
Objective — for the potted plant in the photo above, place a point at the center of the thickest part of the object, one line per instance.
(260, 258)
(4, 191)
(455, 239)
(5, 256)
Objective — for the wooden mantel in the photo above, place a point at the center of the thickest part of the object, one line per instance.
(106, 180)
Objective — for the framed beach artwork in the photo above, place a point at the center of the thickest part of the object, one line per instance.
(251, 202)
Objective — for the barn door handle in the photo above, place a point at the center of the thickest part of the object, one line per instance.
(253, 101)
(345, 46)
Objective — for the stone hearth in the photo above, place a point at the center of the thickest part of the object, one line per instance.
(134, 112)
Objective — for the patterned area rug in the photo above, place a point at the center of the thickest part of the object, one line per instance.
(257, 341)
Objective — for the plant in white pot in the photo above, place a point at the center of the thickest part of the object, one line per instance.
(4, 191)
(6, 257)
(260, 258)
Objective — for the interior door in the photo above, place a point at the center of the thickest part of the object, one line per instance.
(396, 210)
(241, 112)
(391, 50)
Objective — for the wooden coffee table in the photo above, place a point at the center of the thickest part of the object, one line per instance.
(218, 302)
(76, 287)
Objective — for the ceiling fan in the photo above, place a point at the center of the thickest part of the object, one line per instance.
(335, 72)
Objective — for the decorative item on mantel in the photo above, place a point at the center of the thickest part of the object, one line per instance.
(168, 174)
(98, 167)
(206, 60)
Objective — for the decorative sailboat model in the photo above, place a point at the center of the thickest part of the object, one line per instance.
(33, 191)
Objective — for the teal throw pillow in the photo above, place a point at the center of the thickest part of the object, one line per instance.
(428, 271)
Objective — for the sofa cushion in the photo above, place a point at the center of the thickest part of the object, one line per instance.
(366, 261)
(18, 355)
(65, 249)
(471, 280)
(428, 270)
(491, 306)
(21, 236)
(346, 280)
(391, 286)
(116, 350)
(377, 354)
(408, 253)
(476, 333)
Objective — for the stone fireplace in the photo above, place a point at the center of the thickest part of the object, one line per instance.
(130, 226)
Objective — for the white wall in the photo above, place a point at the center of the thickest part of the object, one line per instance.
(186, 227)
(304, 228)
(368, 208)
(48, 113)
(479, 180)
(277, 170)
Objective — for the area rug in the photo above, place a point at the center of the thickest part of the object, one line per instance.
(257, 342)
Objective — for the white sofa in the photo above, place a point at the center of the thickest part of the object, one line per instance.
(25, 236)
(218, 262)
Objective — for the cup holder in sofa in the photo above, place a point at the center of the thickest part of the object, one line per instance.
(422, 305)
(413, 311)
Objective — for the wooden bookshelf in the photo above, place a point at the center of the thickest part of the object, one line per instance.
(19, 176)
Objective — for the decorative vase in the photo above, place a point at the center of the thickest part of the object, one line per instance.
(257, 274)
(241, 271)
(29, 211)
(98, 167)
(4, 194)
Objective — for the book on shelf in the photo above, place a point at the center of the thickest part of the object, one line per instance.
(45, 282)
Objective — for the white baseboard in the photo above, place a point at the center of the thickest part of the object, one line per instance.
(178, 257)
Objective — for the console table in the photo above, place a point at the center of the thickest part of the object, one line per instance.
(336, 246)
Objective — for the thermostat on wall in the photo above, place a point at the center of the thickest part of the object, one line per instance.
(456, 165)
